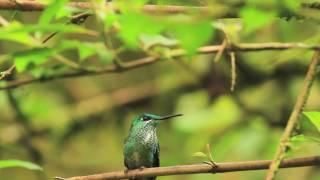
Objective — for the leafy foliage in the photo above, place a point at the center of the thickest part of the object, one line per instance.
(34, 56)
(49, 13)
(314, 118)
(302, 138)
(193, 34)
(131, 29)
(71, 118)
(254, 18)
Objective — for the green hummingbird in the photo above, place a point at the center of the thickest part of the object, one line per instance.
(141, 148)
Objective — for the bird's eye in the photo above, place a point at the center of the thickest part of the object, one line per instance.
(145, 118)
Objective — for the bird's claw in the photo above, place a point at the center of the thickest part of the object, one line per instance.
(58, 178)
(141, 168)
(126, 170)
(211, 163)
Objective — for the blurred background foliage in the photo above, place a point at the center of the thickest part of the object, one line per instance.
(77, 126)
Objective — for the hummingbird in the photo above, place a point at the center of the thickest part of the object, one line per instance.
(141, 148)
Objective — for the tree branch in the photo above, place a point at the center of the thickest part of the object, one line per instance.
(294, 117)
(36, 6)
(200, 168)
(152, 59)
(110, 69)
(27, 5)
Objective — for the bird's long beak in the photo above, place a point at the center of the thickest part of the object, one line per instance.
(168, 116)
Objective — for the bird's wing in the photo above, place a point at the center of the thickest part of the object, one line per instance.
(156, 161)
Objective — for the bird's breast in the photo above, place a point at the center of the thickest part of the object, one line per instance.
(139, 150)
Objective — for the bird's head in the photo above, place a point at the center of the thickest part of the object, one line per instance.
(151, 119)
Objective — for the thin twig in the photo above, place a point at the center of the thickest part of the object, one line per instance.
(49, 37)
(75, 19)
(233, 70)
(201, 168)
(294, 117)
(232, 55)
(220, 52)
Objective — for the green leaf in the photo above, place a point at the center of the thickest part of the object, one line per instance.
(105, 56)
(254, 18)
(149, 41)
(22, 38)
(19, 163)
(314, 118)
(84, 49)
(231, 27)
(8, 33)
(19, 33)
(193, 34)
(68, 11)
(34, 56)
(135, 24)
(111, 19)
(50, 12)
(292, 5)
(199, 154)
(303, 138)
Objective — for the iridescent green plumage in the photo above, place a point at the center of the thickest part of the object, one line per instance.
(141, 148)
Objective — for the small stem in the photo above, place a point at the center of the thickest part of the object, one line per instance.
(200, 168)
(233, 70)
(220, 52)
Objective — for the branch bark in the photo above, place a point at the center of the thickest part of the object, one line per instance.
(24, 5)
(200, 168)
(294, 117)
(153, 59)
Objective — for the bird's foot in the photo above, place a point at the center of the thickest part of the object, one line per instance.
(211, 163)
(126, 170)
(141, 168)
(58, 178)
